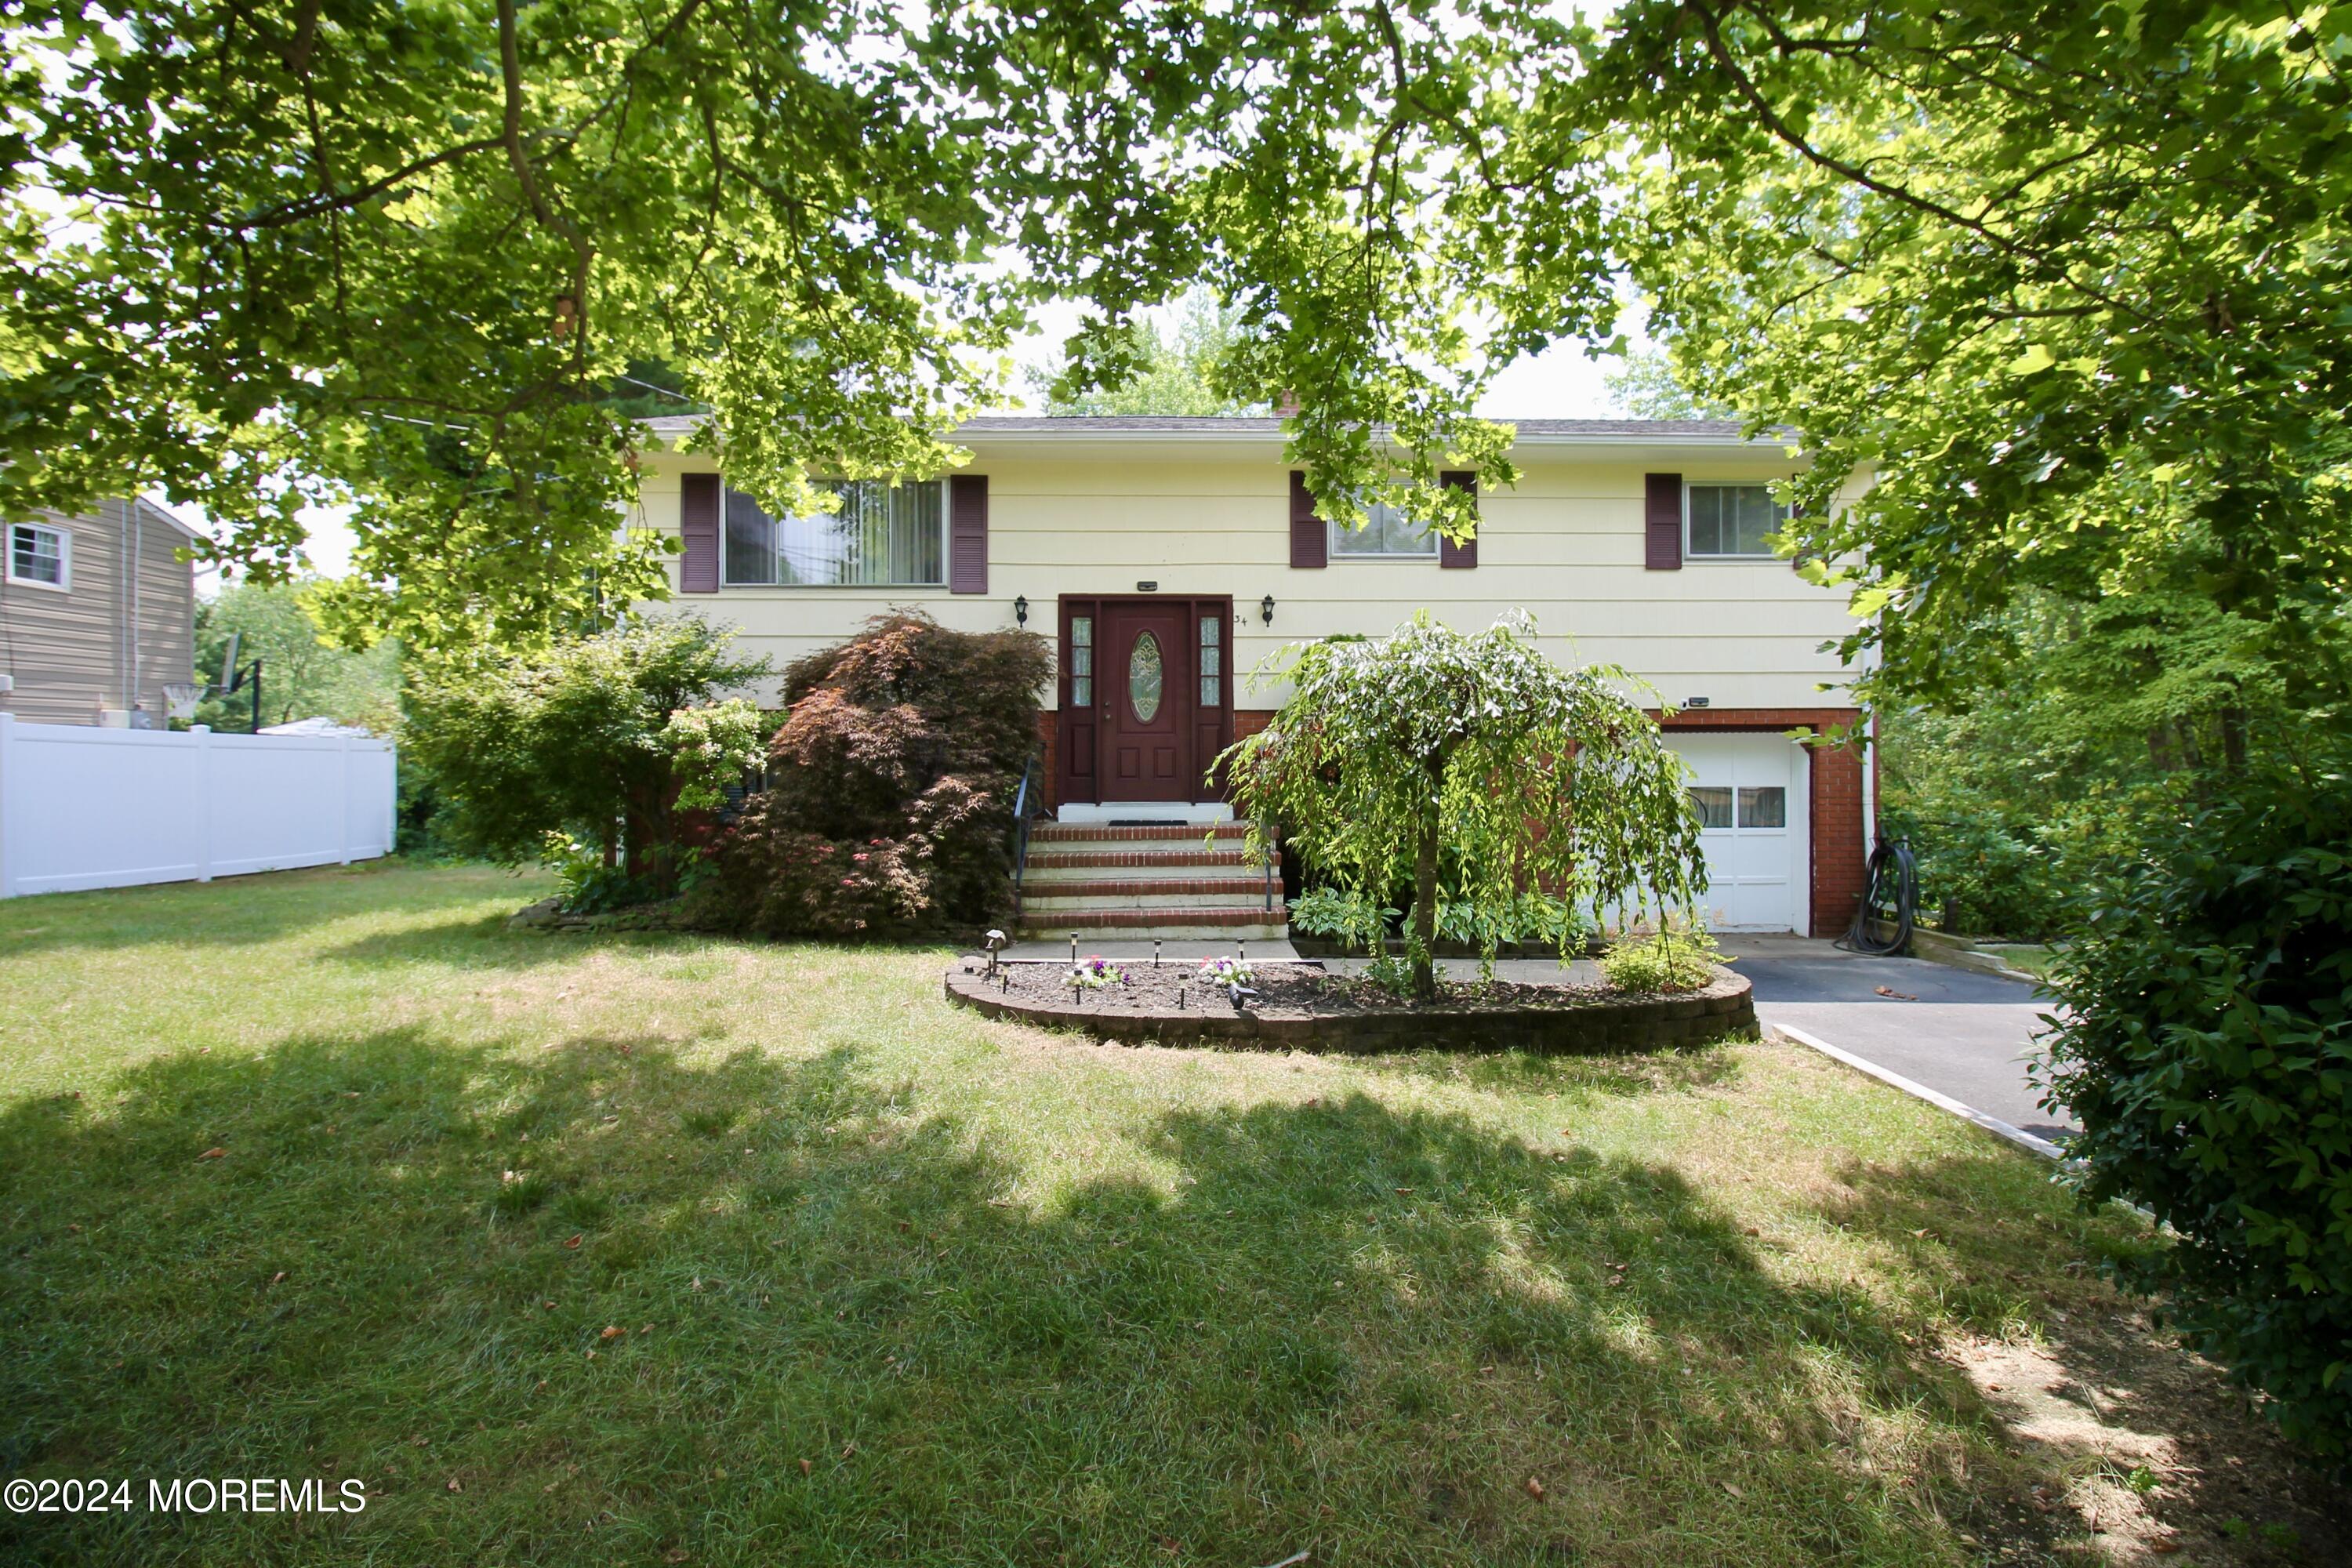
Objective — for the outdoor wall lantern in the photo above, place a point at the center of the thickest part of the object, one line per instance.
(1021, 610)
(1265, 609)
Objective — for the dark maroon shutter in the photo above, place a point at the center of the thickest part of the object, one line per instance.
(1661, 518)
(1464, 555)
(1310, 544)
(697, 534)
(968, 533)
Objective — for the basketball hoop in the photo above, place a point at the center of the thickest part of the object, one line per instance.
(180, 698)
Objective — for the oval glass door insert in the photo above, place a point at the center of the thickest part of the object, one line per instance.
(1143, 678)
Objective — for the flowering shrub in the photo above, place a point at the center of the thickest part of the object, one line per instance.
(1225, 972)
(610, 744)
(888, 810)
(1093, 972)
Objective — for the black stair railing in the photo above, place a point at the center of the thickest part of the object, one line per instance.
(1273, 855)
(1028, 805)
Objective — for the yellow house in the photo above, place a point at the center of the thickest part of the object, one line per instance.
(1170, 557)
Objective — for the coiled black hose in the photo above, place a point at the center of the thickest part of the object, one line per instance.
(1890, 901)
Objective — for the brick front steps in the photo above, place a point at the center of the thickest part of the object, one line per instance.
(1722, 1009)
(1106, 881)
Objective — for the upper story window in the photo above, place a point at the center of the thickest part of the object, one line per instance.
(1386, 532)
(40, 556)
(884, 536)
(1732, 519)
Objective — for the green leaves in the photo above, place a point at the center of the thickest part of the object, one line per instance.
(2036, 357)
(626, 727)
(2207, 1050)
(394, 258)
(1522, 775)
(2067, 287)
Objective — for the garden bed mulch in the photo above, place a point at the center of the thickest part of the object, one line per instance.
(1300, 1003)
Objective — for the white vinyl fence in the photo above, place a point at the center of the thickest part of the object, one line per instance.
(87, 808)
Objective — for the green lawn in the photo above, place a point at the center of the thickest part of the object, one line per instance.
(648, 1250)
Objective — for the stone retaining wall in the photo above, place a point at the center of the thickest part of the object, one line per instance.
(1635, 1023)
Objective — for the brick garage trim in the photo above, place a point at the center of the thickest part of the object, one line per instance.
(1841, 846)
(1724, 1008)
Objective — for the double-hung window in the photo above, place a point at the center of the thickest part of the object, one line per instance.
(884, 535)
(1387, 533)
(1732, 519)
(40, 556)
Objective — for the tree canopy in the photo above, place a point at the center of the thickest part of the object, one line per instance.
(1174, 372)
(2068, 280)
(1646, 386)
(265, 254)
(304, 675)
(2065, 281)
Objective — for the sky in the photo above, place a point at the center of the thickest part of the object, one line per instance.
(1562, 383)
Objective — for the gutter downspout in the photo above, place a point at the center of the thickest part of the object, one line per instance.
(131, 575)
(1870, 780)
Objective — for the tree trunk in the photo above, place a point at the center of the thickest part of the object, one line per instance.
(2233, 739)
(1425, 906)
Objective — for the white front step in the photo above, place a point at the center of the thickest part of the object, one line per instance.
(1146, 811)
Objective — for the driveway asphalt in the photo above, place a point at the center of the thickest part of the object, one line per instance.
(1962, 1034)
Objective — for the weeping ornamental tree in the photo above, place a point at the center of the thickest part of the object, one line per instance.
(1429, 743)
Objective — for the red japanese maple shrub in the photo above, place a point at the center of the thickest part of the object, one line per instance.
(888, 808)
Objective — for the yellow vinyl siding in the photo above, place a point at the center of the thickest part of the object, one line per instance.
(1565, 544)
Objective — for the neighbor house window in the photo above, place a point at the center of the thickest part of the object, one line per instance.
(40, 554)
(1386, 531)
(884, 536)
(1733, 520)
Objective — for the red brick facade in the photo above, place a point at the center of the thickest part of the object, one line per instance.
(1841, 840)
(1049, 756)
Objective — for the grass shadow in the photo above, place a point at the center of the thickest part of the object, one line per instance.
(485, 942)
(589, 1300)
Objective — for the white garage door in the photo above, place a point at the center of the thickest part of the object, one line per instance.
(1752, 793)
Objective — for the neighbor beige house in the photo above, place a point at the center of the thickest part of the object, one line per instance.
(1170, 558)
(97, 615)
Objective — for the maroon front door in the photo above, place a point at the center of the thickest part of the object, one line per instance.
(1146, 703)
(1146, 697)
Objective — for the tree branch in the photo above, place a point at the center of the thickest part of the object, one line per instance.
(519, 157)
(1770, 119)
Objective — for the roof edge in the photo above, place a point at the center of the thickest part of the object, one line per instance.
(1244, 430)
